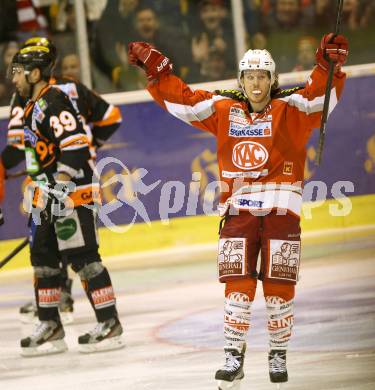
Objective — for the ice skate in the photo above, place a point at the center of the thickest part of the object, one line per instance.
(277, 367)
(29, 313)
(47, 338)
(106, 336)
(66, 308)
(230, 376)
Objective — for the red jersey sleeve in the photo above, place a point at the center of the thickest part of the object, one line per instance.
(305, 106)
(197, 108)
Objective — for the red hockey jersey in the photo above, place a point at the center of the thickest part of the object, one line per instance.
(261, 156)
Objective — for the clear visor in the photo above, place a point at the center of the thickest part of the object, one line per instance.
(14, 68)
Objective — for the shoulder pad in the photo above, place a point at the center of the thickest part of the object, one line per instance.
(17, 100)
(287, 92)
(234, 94)
(65, 79)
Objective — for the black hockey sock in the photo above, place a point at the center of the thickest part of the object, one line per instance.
(100, 293)
(47, 295)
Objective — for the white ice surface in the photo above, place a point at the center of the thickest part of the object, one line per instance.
(172, 318)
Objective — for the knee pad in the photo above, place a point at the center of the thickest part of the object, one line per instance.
(91, 270)
(284, 291)
(280, 321)
(81, 260)
(45, 272)
(245, 286)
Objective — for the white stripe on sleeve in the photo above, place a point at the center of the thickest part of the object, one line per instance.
(311, 106)
(197, 113)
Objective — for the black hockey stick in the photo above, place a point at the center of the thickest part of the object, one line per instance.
(14, 252)
(22, 245)
(15, 174)
(328, 91)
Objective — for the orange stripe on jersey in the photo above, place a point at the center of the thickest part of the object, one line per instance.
(75, 140)
(86, 195)
(113, 117)
(30, 105)
(16, 138)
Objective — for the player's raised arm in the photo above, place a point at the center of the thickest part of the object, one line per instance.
(197, 108)
(308, 102)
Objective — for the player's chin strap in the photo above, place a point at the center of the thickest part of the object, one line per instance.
(32, 85)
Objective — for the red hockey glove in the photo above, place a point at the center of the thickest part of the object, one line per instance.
(147, 57)
(332, 48)
(2, 181)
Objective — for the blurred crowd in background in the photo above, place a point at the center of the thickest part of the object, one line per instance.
(198, 35)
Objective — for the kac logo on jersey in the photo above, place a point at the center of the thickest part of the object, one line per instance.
(249, 155)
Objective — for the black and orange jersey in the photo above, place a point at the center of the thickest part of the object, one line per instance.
(100, 119)
(55, 142)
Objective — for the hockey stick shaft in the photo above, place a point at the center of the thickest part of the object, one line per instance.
(22, 245)
(327, 96)
(16, 174)
(14, 252)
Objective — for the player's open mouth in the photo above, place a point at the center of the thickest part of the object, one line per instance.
(256, 92)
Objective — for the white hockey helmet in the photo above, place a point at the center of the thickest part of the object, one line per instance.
(257, 60)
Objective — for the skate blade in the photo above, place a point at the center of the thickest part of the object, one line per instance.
(280, 386)
(224, 385)
(66, 317)
(48, 348)
(110, 344)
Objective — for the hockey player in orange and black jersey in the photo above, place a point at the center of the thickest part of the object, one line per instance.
(100, 120)
(63, 224)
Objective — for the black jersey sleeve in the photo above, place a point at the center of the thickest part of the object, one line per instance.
(12, 156)
(13, 153)
(16, 122)
(104, 117)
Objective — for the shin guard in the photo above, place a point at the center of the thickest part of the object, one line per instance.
(236, 319)
(102, 298)
(280, 322)
(47, 295)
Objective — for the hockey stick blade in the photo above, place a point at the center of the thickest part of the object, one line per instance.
(327, 95)
(14, 252)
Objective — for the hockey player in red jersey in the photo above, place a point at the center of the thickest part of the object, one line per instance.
(261, 134)
(100, 120)
(63, 216)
